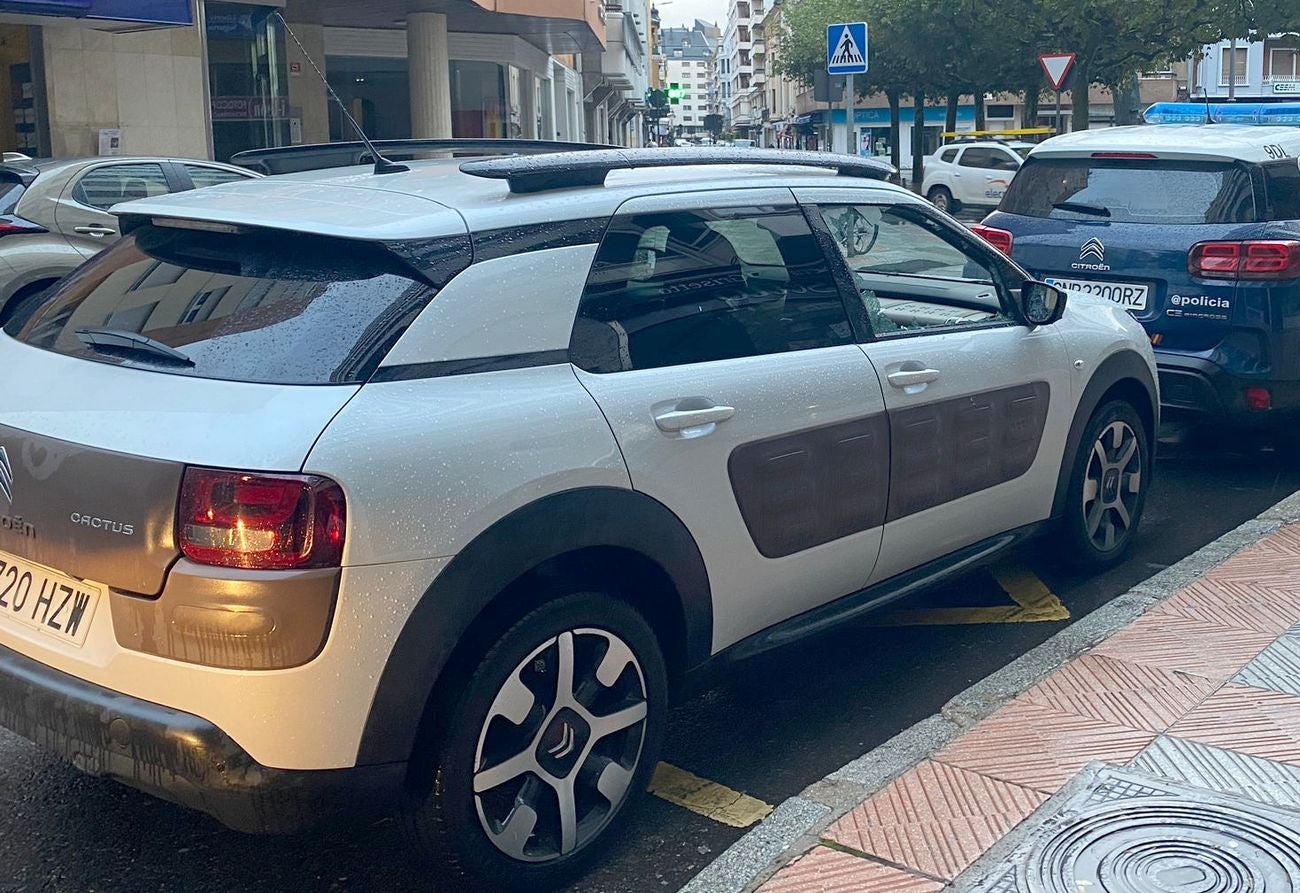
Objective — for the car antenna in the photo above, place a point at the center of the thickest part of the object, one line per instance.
(382, 164)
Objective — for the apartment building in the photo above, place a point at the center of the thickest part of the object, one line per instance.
(688, 60)
(204, 78)
(737, 77)
(1258, 70)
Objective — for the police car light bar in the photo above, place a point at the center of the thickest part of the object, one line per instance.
(1259, 113)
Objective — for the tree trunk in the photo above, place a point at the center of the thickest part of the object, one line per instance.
(950, 123)
(1079, 100)
(1030, 115)
(918, 138)
(981, 116)
(1127, 100)
(895, 129)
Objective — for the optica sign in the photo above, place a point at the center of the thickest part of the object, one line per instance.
(156, 12)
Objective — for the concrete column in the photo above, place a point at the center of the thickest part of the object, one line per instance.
(430, 68)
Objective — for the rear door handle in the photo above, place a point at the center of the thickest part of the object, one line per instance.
(677, 420)
(95, 230)
(910, 378)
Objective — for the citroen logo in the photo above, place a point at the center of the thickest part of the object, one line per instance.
(563, 747)
(6, 476)
(1093, 250)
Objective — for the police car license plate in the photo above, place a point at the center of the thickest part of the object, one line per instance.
(46, 600)
(1129, 295)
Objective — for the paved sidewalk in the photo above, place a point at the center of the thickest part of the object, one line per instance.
(1199, 694)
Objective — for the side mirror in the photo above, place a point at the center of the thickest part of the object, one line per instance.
(1041, 304)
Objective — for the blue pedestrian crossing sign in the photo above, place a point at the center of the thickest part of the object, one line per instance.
(846, 48)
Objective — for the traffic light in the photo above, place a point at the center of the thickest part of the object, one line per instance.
(675, 93)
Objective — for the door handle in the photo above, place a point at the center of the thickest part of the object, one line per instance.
(95, 229)
(910, 378)
(677, 420)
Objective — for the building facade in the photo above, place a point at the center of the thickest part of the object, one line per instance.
(1260, 70)
(202, 78)
(737, 77)
(688, 61)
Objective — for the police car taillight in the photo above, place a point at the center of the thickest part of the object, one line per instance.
(998, 238)
(1263, 259)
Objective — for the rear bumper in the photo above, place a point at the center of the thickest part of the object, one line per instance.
(180, 757)
(1191, 386)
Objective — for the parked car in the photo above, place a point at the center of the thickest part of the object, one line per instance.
(366, 520)
(55, 214)
(972, 174)
(1195, 230)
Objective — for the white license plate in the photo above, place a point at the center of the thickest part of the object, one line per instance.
(45, 600)
(1129, 295)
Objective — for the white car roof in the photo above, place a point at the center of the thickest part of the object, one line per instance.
(435, 199)
(1209, 142)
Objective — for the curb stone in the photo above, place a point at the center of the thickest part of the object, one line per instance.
(797, 824)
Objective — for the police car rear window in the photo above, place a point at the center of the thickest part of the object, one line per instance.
(1132, 191)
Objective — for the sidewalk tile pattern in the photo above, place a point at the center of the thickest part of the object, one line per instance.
(1204, 689)
(1038, 747)
(824, 870)
(1277, 668)
(1121, 693)
(1249, 720)
(1221, 770)
(937, 819)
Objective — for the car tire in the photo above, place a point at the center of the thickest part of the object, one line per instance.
(24, 303)
(941, 198)
(507, 831)
(1108, 487)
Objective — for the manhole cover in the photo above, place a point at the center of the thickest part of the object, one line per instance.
(1130, 834)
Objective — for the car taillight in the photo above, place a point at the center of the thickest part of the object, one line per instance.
(998, 238)
(1270, 259)
(13, 225)
(261, 521)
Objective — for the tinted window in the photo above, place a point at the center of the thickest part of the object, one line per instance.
(1132, 191)
(693, 286)
(212, 176)
(105, 187)
(983, 158)
(949, 155)
(280, 308)
(1282, 183)
(912, 272)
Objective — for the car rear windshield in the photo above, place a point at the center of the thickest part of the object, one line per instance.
(280, 308)
(1132, 191)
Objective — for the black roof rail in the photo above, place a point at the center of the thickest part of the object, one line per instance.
(563, 170)
(322, 156)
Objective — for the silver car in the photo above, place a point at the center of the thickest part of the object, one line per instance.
(54, 215)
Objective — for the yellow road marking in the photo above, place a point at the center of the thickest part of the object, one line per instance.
(1033, 603)
(707, 798)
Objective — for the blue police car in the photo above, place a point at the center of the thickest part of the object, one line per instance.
(1194, 227)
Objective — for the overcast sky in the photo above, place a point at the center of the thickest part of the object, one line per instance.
(679, 13)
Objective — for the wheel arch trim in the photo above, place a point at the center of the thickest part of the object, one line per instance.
(550, 527)
(1124, 365)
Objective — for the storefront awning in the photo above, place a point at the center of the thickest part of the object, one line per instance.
(154, 12)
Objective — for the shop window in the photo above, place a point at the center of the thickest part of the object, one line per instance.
(478, 100)
(248, 79)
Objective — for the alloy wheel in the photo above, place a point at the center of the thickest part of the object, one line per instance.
(560, 746)
(1112, 486)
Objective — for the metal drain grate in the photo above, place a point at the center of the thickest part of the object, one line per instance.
(1132, 834)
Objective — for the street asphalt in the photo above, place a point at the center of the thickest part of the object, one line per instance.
(767, 727)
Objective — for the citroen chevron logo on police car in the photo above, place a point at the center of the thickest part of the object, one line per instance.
(1093, 250)
(6, 476)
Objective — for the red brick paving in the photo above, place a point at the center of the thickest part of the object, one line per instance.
(824, 870)
(1041, 748)
(1248, 720)
(936, 818)
(1120, 693)
(1166, 672)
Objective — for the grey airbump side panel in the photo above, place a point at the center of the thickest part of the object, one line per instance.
(800, 490)
(946, 450)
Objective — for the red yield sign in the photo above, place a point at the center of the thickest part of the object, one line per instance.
(1057, 66)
